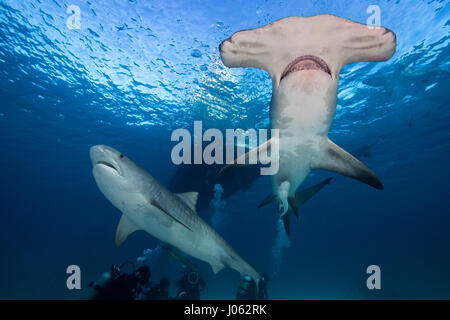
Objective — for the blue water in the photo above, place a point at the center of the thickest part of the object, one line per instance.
(136, 70)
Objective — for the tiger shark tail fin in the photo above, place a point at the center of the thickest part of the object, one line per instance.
(333, 158)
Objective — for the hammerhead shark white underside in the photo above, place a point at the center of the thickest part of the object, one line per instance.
(304, 57)
(147, 205)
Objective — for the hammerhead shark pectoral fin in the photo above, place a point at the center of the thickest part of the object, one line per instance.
(124, 229)
(244, 160)
(333, 158)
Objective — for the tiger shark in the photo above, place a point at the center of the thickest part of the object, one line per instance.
(147, 205)
(304, 57)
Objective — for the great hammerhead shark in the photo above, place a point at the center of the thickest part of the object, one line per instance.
(304, 57)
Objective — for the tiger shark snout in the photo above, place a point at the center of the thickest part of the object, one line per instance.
(304, 57)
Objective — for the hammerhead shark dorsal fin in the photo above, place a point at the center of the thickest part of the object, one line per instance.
(190, 198)
(161, 207)
(333, 158)
(244, 160)
(124, 229)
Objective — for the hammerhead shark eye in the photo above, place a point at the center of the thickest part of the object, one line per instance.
(121, 156)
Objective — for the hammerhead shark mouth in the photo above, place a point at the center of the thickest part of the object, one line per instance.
(307, 62)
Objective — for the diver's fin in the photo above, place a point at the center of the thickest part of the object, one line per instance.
(244, 160)
(190, 198)
(287, 223)
(333, 158)
(160, 207)
(124, 229)
(293, 205)
(304, 195)
(270, 198)
(217, 267)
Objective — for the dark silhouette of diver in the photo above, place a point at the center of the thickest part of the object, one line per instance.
(189, 286)
(118, 285)
(262, 292)
(247, 289)
(159, 291)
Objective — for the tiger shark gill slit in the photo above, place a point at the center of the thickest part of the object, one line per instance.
(304, 57)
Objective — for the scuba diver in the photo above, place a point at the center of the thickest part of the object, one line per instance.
(262, 292)
(190, 286)
(247, 288)
(159, 291)
(118, 285)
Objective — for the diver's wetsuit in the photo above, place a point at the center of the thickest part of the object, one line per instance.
(159, 291)
(246, 289)
(189, 286)
(120, 286)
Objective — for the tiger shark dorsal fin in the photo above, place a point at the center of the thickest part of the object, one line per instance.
(190, 198)
(124, 229)
(244, 160)
(333, 158)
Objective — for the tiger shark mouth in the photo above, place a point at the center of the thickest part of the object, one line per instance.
(109, 165)
(307, 62)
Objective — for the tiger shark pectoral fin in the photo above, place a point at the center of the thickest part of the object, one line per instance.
(124, 229)
(333, 158)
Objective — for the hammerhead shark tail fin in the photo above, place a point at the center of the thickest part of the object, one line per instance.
(333, 158)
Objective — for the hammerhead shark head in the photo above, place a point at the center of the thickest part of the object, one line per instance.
(304, 57)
